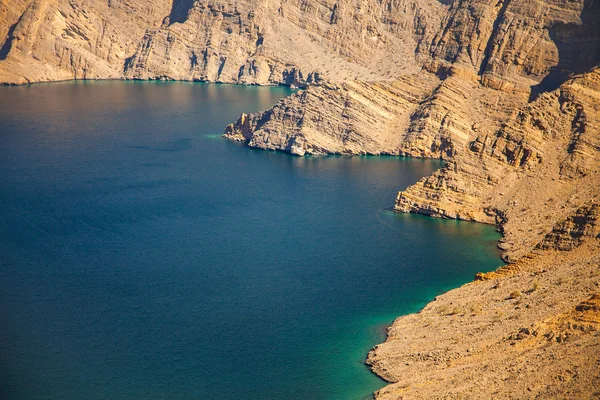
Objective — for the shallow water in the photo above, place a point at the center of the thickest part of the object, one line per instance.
(141, 256)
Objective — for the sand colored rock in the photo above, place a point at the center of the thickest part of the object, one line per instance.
(362, 118)
(532, 331)
(252, 42)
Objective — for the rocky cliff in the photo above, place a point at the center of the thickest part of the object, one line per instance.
(506, 91)
(253, 42)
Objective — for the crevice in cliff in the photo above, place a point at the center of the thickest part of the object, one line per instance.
(578, 48)
(490, 44)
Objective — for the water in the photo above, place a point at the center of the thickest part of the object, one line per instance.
(143, 257)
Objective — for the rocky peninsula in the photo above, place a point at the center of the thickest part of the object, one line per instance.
(506, 91)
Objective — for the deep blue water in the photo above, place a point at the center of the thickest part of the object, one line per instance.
(144, 257)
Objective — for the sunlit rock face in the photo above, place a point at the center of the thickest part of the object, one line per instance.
(243, 42)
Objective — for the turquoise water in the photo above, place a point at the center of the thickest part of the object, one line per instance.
(143, 257)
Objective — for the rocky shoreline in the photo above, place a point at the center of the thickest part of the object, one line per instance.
(507, 92)
(527, 330)
(493, 337)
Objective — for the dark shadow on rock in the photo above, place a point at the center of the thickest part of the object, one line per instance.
(5, 49)
(578, 49)
(490, 44)
(128, 63)
(180, 10)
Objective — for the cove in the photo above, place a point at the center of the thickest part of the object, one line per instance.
(144, 257)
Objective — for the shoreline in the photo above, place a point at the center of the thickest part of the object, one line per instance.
(425, 364)
(386, 327)
(381, 373)
(542, 215)
(501, 326)
(123, 79)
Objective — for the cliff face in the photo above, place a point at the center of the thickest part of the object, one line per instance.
(46, 40)
(537, 168)
(506, 91)
(350, 118)
(507, 43)
(292, 42)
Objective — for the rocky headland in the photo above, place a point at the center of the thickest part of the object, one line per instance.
(506, 91)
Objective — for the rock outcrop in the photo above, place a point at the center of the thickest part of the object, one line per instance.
(361, 118)
(506, 91)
